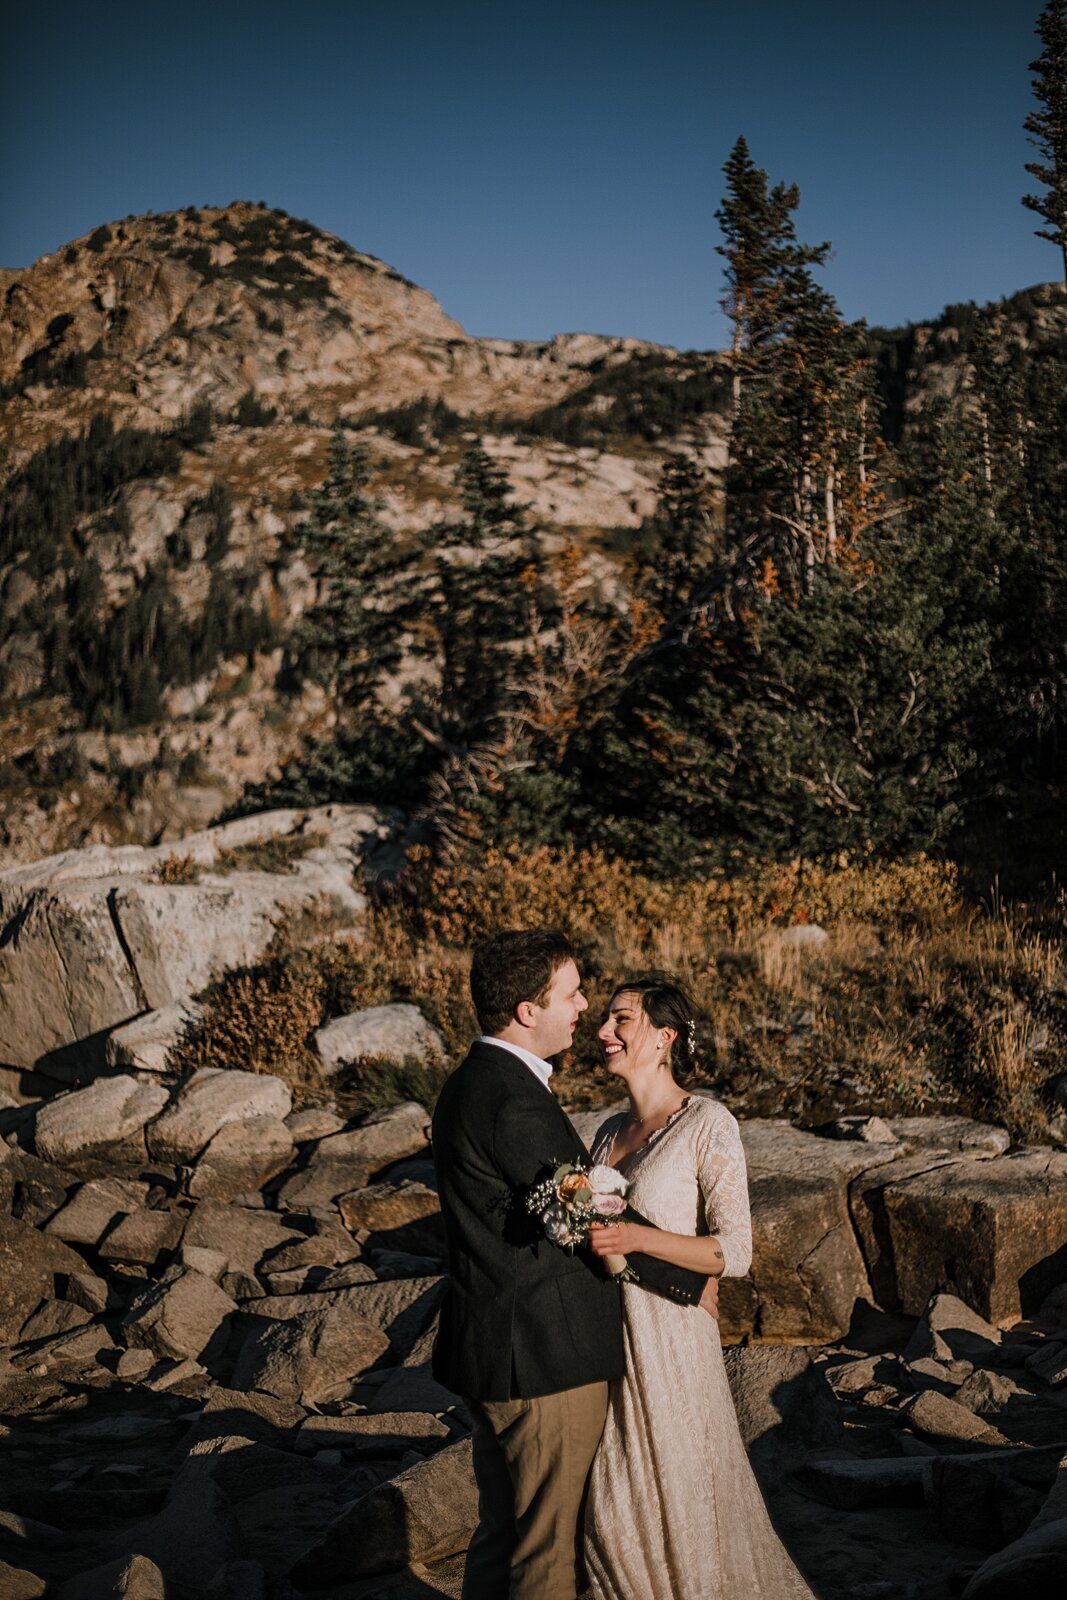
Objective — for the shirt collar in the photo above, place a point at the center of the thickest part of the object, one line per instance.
(540, 1068)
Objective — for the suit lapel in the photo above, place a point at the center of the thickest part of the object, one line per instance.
(525, 1082)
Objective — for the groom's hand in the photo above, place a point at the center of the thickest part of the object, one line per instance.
(709, 1300)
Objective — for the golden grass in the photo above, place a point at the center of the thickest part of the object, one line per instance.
(917, 1002)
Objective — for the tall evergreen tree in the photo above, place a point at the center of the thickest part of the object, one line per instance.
(1047, 128)
(682, 537)
(485, 565)
(799, 481)
(351, 638)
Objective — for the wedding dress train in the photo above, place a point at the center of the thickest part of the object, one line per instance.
(674, 1511)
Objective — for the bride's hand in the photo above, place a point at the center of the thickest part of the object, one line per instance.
(709, 1300)
(614, 1238)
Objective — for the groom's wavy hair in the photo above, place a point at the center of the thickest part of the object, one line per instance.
(667, 1004)
(514, 965)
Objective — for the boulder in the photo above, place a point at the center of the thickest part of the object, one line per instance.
(242, 1157)
(72, 1351)
(948, 1330)
(32, 1266)
(185, 1314)
(952, 1134)
(1033, 1564)
(344, 1161)
(1049, 1362)
(406, 1216)
(805, 936)
(87, 1290)
(854, 1485)
(31, 1189)
(64, 973)
(248, 1580)
(143, 1236)
(16, 1583)
(128, 1578)
(989, 1231)
(326, 1246)
(147, 1043)
(374, 1433)
(94, 1208)
(870, 1220)
(403, 1308)
(52, 1317)
(110, 1112)
(807, 1268)
(193, 1533)
(428, 1512)
(308, 1355)
(245, 1237)
(313, 1122)
(392, 1032)
(209, 1100)
(950, 1427)
(989, 1498)
(93, 938)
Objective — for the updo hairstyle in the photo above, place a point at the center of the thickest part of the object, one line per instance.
(667, 1004)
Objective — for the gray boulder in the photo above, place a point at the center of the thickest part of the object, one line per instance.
(143, 1236)
(948, 1330)
(16, 1583)
(403, 1308)
(110, 1113)
(392, 1032)
(807, 1267)
(210, 1100)
(127, 1578)
(94, 1208)
(428, 1512)
(31, 1267)
(308, 1355)
(989, 1230)
(184, 1314)
(242, 1157)
(345, 1161)
(245, 1237)
(147, 1043)
(92, 938)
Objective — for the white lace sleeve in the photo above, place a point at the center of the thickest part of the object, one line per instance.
(724, 1185)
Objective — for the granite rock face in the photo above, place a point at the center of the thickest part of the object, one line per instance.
(92, 939)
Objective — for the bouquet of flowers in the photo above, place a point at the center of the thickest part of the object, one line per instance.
(575, 1197)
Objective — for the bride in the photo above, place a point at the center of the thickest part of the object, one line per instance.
(674, 1511)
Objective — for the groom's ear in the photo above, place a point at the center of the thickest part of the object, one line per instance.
(524, 1013)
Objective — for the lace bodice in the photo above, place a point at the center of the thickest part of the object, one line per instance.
(690, 1176)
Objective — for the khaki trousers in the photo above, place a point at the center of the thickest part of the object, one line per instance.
(531, 1462)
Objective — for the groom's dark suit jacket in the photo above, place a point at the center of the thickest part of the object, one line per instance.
(522, 1316)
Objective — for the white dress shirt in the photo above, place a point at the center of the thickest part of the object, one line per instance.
(540, 1069)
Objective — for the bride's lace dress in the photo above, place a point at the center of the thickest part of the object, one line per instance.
(674, 1512)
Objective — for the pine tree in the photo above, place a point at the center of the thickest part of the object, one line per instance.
(485, 567)
(1047, 128)
(799, 481)
(351, 639)
(682, 539)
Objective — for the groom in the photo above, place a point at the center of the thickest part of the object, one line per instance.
(529, 1335)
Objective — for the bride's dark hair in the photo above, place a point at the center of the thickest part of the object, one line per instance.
(667, 1004)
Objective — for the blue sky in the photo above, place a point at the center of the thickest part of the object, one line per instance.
(551, 167)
